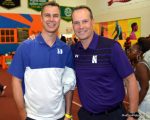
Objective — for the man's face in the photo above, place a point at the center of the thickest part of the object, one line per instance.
(82, 24)
(51, 19)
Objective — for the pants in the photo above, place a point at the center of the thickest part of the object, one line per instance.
(116, 114)
(34, 119)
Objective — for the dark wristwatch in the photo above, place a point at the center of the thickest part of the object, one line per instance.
(135, 115)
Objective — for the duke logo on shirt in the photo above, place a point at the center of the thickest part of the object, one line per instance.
(59, 51)
(94, 59)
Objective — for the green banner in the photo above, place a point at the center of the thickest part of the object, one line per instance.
(66, 13)
(36, 4)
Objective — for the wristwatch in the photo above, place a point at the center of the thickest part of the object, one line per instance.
(135, 115)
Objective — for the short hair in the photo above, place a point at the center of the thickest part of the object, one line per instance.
(133, 24)
(83, 7)
(51, 3)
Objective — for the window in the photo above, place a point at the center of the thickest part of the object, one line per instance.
(8, 35)
(23, 34)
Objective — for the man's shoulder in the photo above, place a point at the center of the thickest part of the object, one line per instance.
(28, 42)
(105, 42)
(26, 45)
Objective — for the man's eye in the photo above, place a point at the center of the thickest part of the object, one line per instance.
(47, 15)
(75, 23)
(85, 21)
(56, 16)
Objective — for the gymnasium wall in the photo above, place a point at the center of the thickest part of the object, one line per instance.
(117, 11)
(23, 9)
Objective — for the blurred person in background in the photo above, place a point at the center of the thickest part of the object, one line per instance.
(127, 44)
(142, 72)
(63, 38)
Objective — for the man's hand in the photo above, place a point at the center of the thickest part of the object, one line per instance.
(32, 37)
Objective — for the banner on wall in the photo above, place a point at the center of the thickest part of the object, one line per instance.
(66, 13)
(9, 3)
(36, 4)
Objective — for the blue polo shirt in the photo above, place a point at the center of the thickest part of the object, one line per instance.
(37, 54)
(47, 74)
(100, 70)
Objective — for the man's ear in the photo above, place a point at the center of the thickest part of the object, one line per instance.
(93, 22)
(41, 18)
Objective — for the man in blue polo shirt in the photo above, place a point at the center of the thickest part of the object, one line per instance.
(44, 67)
(101, 68)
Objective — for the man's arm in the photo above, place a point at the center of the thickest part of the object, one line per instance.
(133, 93)
(68, 98)
(69, 81)
(18, 96)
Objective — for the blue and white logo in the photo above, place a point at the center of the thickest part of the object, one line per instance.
(59, 51)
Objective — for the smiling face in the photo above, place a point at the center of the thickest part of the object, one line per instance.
(82, 24)
(50, 19)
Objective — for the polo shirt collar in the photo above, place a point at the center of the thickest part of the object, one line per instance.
(93, 43)
(41, 40)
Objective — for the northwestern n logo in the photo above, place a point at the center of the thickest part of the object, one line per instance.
(94, 59)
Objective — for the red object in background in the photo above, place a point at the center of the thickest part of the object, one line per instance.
(110, 2)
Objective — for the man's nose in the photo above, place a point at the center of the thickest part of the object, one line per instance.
(81, 25)
(51, 18)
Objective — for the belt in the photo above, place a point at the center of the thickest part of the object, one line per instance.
(119, 105)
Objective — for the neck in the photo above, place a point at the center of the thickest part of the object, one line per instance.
(86, 42)
(49, 38)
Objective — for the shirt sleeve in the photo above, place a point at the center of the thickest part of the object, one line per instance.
(17, 66)
(120, 61)
(69, 78)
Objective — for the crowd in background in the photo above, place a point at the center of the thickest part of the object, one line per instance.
(69, 40)
(139, 56)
